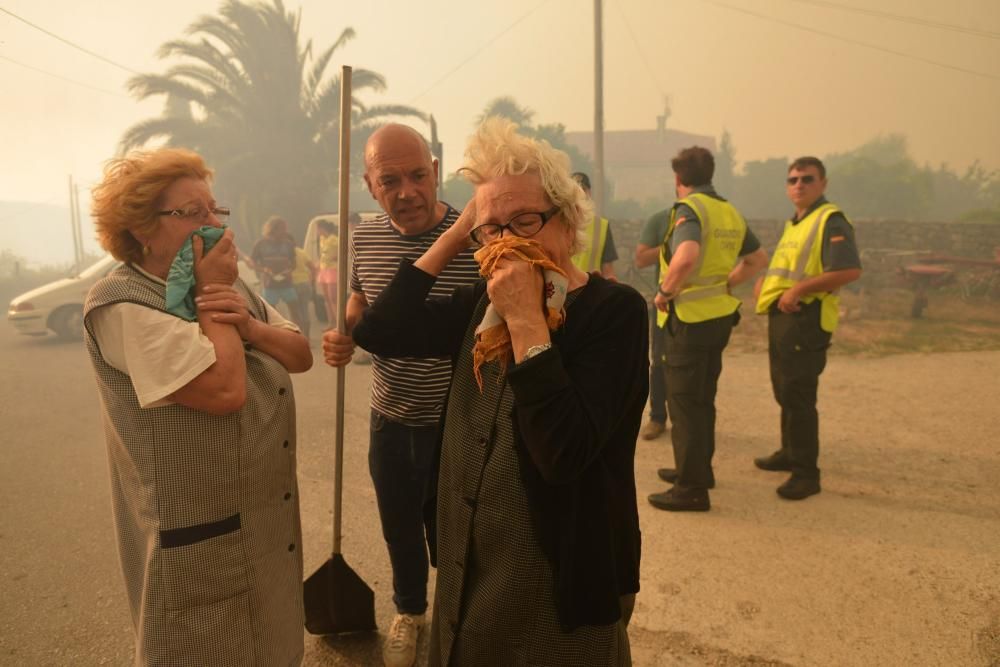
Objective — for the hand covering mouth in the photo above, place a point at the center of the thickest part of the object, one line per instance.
(492, 336)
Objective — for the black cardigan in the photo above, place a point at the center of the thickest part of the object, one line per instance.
(578, 408)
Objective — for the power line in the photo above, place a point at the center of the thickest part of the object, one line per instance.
(642, 54)
(856, 42)
(68, 42)
(903, 18)
(58, 76)
(479, 50)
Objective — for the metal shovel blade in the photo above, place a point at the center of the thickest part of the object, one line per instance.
(337, 600)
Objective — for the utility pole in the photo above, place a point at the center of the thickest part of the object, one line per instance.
(597, 186)
(79, 227)
(74, 225)
(437, 150)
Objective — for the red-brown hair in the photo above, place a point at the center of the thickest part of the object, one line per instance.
(128, 198)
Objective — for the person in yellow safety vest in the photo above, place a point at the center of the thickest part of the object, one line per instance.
(816, 256)
(647, 253)
(599, 253)
(708, 250)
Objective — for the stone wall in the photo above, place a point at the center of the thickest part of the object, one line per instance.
(974, 240)
(885, 244)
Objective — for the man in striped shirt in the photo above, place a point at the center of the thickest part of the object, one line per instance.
(408, 395)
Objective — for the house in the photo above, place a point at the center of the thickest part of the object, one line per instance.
(637, 162)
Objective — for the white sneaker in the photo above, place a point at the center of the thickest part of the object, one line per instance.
(400, 647)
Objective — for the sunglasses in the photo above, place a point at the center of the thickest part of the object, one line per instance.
(806, 180)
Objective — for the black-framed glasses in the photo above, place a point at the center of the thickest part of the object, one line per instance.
(806, 180)
(197, 214)
(524, 225)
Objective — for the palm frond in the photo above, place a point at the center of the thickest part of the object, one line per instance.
(319, 67)
(383, 110)
(216, 85)
(187, 130)
(143, 86)
(365, 79)
(207, 53)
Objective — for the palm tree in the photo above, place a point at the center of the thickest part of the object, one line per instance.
(554, 133)
(261, 109)
(507, 107)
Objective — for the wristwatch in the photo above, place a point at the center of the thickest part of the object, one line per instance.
(535, 350)
(666, 295)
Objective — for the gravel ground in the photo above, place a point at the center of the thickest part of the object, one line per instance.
(895, 563)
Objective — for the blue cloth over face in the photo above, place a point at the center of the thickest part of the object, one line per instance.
(180, 278)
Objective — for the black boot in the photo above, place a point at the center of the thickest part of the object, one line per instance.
(776, 461)
(680, 499)
(797, 488)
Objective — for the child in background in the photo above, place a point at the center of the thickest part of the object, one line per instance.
(303, 276)
(327, 281)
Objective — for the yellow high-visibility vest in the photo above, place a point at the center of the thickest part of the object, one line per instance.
(589, 259)
(705, 295)
(799, 255)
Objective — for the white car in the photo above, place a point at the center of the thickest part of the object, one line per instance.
(57, 306)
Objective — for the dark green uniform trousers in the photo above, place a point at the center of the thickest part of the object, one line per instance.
(797, 349)
(693, 365)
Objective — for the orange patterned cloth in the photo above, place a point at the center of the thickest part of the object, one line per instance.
(492, 336)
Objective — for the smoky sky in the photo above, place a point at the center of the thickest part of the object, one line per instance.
(785, 77)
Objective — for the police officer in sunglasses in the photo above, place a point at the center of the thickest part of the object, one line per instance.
(816, 256)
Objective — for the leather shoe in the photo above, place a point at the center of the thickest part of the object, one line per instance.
(797, 488)
(653, 430)
(676, 499)
(776, 461)
(670, 475)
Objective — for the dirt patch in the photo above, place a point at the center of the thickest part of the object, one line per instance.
(682, 649)
(988, 643)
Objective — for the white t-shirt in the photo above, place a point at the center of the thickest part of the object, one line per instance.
(159, 352)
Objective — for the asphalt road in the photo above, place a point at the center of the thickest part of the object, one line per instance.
(895, 563)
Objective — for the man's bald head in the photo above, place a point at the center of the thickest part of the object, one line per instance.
(402, 176)
(395, 137)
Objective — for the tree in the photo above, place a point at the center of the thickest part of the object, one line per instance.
(554, 133)
(260, 107)
(725, 164)
(880, 180)
(974, 195)
(457, 190)
(507, 107)
(758, 191)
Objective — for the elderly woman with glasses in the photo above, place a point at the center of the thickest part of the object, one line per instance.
(537, 533)
(199, 419)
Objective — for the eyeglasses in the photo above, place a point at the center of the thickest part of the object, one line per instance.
(523, 225)
(197, 214)
(806, 180)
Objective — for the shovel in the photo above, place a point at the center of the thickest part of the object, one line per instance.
(336, 599)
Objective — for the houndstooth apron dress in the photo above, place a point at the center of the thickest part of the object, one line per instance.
(494, 603)
(206, 509)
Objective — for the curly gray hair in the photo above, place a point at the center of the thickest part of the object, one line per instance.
(496, 149)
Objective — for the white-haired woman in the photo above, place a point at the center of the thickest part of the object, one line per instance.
(537, 531)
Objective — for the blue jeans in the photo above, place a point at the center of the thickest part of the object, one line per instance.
(400, 458)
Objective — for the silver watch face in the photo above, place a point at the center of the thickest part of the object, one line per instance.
(536, 350)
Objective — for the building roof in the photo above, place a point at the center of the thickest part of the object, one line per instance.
(640, 148)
